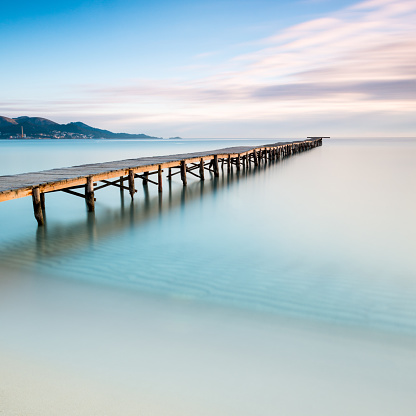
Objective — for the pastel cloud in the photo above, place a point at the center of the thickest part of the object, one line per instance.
(360, 54)
(361, 59)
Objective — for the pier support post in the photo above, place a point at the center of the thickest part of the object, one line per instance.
(229, 163)
(37, 206)
(42, 201)
(159, 178)
(238, 162)
(183, 172)
(131, 184)
(121, 184)
(256, 163)
(201, 169)
(170, 174)
(216, 169)
(145, 178)
(89, 194)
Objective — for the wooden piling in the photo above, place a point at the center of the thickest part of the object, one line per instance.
(216, 169)
(132, 190)
(89, 194)
(37, 206)
(238, 162)
(121, 184)
(183, 172)
(201, 169)
(159, 178)
(145, 178)
(256, 163)
(42, 201)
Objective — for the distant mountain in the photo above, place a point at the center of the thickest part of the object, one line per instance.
(37, 121)
(37, 127)
(7, 122)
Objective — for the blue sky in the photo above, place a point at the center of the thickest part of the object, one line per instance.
(213, 69)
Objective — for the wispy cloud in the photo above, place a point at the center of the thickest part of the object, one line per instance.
(371, 41)
(359, 60)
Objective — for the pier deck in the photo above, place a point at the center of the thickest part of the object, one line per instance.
(72, 179)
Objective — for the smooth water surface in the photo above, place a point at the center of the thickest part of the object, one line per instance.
(327, 234)
(325, 237)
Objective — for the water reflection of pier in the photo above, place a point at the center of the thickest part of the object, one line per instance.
(61, 240)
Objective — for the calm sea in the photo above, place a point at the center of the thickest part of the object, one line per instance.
(323, 239)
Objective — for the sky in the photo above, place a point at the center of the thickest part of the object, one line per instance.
(213, 69)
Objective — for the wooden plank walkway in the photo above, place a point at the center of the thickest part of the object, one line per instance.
(85, 177)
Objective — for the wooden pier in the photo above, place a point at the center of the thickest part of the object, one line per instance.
(83, 181)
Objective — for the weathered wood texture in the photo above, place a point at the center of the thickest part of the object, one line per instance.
(183, 173)
(132, 190)
(37, 206)
(89, 194)
(159, 178)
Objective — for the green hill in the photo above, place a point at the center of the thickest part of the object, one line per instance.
(37, 127)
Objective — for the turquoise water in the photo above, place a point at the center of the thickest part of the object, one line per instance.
(284, 290)
(326, 235)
